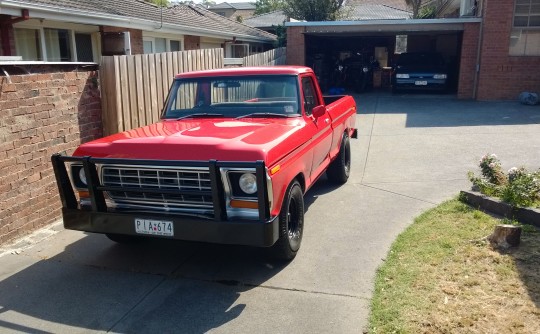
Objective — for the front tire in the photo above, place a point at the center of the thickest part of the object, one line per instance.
(291, 224)
(339, 170)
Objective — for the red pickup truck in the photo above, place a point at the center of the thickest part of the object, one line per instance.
(229, 162)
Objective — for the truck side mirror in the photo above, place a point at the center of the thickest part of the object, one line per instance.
(319, 111)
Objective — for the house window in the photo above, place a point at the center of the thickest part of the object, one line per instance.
(160, 45)
(83, 44)
(28, 44)
(148, 46)
(58, 44)
(175, 46)
(525, 36)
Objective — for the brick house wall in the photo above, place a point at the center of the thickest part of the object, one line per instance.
(192, 42)
(503, 77)
(469, 52)
(296, 46)
(136, 38)
(51, 111)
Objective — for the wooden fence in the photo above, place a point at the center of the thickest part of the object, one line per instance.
(134, 88)
(269, 58)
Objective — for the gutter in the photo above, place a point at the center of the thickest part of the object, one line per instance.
(96, 19)
(389, 22)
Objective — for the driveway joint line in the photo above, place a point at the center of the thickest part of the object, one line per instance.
(235, 283)
(396, 193)
(141, 300)
(370, 137)
(409, 181)
(137, 304)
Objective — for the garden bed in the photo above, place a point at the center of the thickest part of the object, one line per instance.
(495, 206)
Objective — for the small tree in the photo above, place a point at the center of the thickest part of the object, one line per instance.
(415, 5)
(163, 3)
(267, 6)
(313, 10)
(207, 3)
(281, 33)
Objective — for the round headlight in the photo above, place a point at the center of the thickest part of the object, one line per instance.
(248, 183)
(82, 176)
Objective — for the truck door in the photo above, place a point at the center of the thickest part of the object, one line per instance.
(321, 127)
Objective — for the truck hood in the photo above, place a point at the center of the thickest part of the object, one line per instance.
(202, 140)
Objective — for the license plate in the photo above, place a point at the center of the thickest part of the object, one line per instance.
(154, 227)
(420, 83)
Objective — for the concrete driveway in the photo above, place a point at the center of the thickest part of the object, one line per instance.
(412, 153)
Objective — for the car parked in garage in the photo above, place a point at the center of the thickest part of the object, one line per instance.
(420, 71)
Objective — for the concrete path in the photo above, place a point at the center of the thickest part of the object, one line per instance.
(412, 153)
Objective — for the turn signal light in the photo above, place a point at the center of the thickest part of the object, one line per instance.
(275, 169)
(84, 194)
(238, 204)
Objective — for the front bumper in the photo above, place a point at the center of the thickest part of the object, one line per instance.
(218, 227)
(248, 233)
(431, 84)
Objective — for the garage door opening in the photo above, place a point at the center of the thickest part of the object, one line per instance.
(360, 62)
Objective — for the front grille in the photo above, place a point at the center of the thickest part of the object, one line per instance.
(186, 190)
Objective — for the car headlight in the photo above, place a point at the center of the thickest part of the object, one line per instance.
(402, 76)
(248, 183)
(78, 176)
(439, 76)
(82, 176)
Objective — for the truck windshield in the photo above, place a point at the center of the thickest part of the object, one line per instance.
(233, 97)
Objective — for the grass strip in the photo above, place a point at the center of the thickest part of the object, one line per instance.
(440, 276)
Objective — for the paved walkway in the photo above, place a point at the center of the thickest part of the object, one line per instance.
(412, 153)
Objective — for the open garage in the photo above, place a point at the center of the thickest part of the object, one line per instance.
(357, 56)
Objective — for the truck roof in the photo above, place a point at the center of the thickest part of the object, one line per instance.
(291, 70)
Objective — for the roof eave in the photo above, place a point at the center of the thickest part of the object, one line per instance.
(97, 19)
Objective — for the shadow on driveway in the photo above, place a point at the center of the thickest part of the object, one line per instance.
(95, 284)
(152, 287)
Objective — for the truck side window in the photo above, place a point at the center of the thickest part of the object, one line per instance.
(310, 97)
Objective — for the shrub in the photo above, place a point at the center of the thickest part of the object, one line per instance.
(523, 187)
(518, 187)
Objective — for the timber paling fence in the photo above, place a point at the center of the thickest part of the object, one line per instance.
(134, 88)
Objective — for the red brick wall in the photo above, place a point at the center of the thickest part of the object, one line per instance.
(135, 36)
(192, 42)
(467, 69)
(296, 46)
(503, 77)
(41, 114)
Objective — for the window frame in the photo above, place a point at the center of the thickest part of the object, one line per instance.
(310, 85)
(523, 31)
(528, 26)
(168, 40)
(72, 29)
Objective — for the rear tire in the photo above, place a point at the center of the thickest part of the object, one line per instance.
(291, 224)
(340, 169)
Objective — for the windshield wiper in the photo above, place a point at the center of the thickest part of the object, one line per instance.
(265, 114)
(200, 115)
